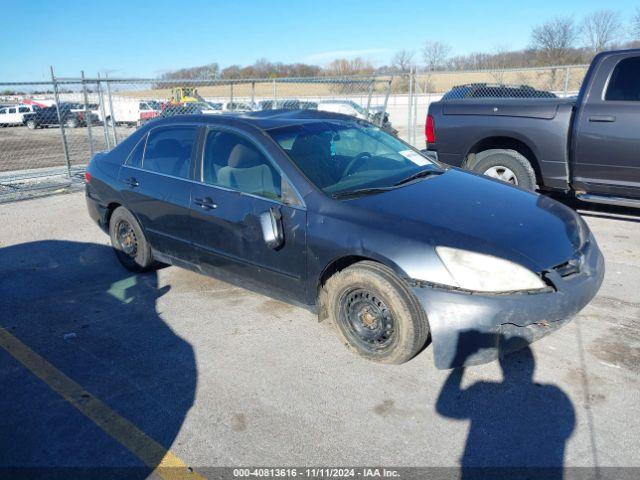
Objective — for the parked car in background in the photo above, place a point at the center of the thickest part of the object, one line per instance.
(349, 107)
(14, 114)
(588, 146)
(191, 108)
(280, 104)
(220, 107)
(334, 214)
(70, 116)
(487, 90)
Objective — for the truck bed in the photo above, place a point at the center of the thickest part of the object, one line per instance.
(541, 125)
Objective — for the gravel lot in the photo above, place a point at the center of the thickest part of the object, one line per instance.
(21, 148)
(225, 377)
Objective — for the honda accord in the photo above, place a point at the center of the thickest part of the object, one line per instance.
(334, 214)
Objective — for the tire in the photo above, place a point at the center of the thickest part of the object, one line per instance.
(506, 165)
(366, 298)
(136, 257)
(31, 124)
(71, 123)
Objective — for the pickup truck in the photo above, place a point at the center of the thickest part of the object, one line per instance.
(588, 146)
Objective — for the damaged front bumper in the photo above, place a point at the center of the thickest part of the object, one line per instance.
(469, 328)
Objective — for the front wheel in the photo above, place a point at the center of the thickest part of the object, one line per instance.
(129, 243)
(508, 166)
(375, 313)
(31, 124)
(71, 123)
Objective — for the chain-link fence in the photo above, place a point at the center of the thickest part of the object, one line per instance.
(51, 129)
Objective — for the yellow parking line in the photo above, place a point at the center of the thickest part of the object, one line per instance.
(150, 452)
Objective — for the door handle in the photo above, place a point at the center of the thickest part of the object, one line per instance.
(205, 203)
(131, 181)
(602, 118)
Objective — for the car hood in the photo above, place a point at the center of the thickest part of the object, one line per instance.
(464, 210)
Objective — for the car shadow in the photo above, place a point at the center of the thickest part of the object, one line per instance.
(74, 305)
(518, 428)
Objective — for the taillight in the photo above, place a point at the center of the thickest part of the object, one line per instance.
(87, 177)
(430, 129)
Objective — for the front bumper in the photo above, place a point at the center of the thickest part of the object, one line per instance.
(475, 328)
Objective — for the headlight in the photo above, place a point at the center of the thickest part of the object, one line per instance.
(486, 273)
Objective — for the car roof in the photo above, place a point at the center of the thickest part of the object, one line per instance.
(264, 119)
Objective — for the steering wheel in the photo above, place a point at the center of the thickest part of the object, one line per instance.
(355, 161)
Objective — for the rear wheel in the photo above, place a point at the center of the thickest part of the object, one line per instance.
(375, 313)
(71, 122)
(129, 243)
(31, 124)
(508, 166)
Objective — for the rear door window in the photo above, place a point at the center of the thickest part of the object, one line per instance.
(624, 84)
(169, 151)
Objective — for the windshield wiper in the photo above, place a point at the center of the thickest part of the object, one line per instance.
(417, 175)
(359, 192)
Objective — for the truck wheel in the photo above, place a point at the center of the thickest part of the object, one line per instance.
(71, 123)
(506, 165)
(31, 124)
(129, 243)
(375, 313)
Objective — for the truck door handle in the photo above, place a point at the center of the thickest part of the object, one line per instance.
(131, 181)
(205, 203)
(602, 118)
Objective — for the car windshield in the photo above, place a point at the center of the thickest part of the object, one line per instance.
(348, 156)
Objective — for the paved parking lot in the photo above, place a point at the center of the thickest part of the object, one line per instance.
(99, 367)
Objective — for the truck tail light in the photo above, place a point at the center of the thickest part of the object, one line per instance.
(87, 177)
(430, 129)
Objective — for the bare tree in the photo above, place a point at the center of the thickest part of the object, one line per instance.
(554, 39)
(635, 24)
(345, 67)
(600, 29)
(435, 54)
(402, 61)
(497, 62)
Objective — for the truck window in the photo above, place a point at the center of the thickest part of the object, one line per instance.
(624, 85)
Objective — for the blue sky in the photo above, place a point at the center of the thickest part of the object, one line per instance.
(145, 38)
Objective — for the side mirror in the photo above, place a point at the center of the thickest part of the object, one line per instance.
(271, 224)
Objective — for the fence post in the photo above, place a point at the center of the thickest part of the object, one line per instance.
(275, 100)
(231, 94)
(87, 114)
(62, 133)
(416, 98)
(566, 81)
(386, 101)
(103, 114)
(253, 93)
(409, 106)
(371, 83)
(112, 114)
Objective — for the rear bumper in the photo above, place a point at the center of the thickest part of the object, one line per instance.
(473, 328)
(97, 211)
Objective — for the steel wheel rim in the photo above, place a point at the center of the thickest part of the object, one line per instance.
(127, 240)
(367, 320)
(502, 173)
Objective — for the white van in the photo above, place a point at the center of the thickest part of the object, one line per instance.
(129, 111)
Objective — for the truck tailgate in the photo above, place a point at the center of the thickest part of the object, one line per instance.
(529, 108)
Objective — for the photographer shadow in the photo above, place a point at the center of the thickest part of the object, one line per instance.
(75, 307)
(518, 427)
